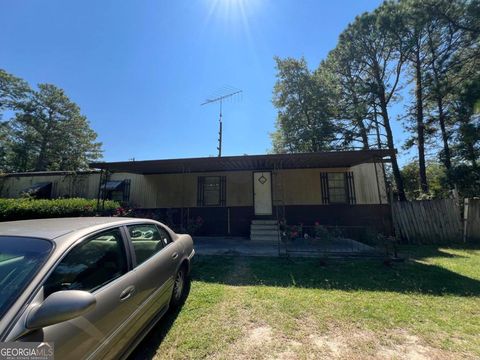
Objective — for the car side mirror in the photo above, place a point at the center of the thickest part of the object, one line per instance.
(60, 306)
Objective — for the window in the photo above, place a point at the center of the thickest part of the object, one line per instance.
(90, 265)
(337, 188)
(165, 236)
(211, 191)
(147, 240)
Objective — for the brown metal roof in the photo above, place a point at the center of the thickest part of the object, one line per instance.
(335, 159)
(49, 173)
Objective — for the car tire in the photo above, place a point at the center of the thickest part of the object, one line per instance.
(180, 288)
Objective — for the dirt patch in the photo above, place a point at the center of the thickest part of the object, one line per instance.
(256, 343)
(364, 344)
(259, 336)
(329, 344)
(412, 347)
(265, 342)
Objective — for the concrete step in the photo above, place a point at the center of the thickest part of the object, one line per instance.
(264, 230)
(264, 222)
(264, 233)
(263, 238)
(263, 227)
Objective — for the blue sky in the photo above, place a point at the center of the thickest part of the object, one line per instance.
(140, 69)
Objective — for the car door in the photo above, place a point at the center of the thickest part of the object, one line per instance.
(98, 264)
(156, 259)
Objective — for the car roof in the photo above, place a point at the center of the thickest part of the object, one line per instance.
(58, 227)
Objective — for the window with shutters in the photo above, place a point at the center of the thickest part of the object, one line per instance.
(211, 191)
(338, 188)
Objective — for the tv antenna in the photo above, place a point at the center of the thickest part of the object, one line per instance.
(219, 99)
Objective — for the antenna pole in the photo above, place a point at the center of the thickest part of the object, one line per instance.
(220, 131)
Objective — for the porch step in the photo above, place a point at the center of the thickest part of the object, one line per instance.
(264, 230)
(256, 231)
(264, 238)
(264, 227)
(264, 222)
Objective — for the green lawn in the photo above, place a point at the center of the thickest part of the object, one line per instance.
(249, 308)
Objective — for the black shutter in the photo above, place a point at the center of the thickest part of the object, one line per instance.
(200, 187)
(324, 187)
(350, 185)
(223, 190)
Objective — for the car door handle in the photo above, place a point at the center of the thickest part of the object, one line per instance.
(174, 255)
(127, 293)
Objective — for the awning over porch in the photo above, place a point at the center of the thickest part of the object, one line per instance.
(40, 190)
(112, 185)
(37, 187)
(337, 159)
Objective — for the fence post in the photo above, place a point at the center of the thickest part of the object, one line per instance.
(465, 219)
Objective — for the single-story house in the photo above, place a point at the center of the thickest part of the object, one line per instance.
(225, 194)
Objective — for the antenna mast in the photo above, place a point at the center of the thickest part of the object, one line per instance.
(220, 99)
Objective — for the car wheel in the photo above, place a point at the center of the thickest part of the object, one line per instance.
(180, 287)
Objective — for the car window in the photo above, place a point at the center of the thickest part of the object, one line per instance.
(165, 236)
(20, 260)
(147, 240)
(90, 265)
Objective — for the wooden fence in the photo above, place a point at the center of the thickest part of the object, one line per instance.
(471, 220)
(428, 221)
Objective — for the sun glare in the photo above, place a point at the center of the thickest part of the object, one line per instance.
(233, 10)
(236, 18)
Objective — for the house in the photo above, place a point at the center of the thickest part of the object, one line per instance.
(225, 194)
(50, 184)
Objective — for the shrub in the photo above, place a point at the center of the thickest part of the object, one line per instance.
(320, 231)
(26, 208)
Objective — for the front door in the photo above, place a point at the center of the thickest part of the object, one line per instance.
(262, 193)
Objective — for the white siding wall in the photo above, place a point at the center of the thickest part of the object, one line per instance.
(142, 193)
(67, 185)
(367, 190)
(300, 186)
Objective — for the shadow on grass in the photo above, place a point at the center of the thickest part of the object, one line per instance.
(370, 275)
(430, 251)
(149, 345)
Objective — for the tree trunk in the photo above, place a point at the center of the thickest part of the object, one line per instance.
(388, 130)
(360, 124)
(40, 166)
(42, 156)
(446, 148)
(470, 146)
(420, 124)
(377, 126)
(363, 134)
(447, 161)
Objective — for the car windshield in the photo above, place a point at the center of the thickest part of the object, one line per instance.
(20, 259)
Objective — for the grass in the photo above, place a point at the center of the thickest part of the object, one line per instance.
(248, 308)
